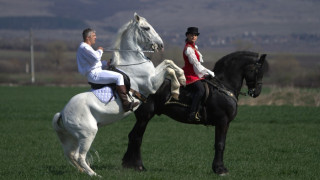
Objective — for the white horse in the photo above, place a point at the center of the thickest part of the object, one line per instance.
(77, 124)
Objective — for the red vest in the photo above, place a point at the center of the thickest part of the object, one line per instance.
(189, 73)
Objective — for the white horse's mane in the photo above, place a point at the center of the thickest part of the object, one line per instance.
(129, 25)
(117, 42)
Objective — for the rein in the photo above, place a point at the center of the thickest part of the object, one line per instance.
(128, 50)
(242, 93)
(134, 63)
(220, 87)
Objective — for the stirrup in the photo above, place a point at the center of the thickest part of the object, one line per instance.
(194, 116)
(133, 105)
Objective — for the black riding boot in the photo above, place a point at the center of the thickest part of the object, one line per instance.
(198, 92)
(194, 115)
(126, 105)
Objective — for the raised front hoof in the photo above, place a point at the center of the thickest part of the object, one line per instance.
(175, 97)
(220, 170)
(135, 167)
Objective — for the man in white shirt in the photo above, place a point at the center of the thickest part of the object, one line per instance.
(90, 65)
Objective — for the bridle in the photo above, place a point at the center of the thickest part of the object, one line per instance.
(256, 68)
(154, 48)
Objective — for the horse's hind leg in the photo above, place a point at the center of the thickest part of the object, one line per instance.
(85, 142)
(70, 147)
(71, 151)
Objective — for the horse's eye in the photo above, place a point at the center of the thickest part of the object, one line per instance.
(146, 28)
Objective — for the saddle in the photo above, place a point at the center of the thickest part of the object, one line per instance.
(105, 92)
(185, 100)
(185, 97)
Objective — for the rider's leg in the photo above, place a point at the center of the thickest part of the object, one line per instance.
(126, 105)
(108, 77)
(198, 92)
(100, 76)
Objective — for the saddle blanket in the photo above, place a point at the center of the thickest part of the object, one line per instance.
(105, 94)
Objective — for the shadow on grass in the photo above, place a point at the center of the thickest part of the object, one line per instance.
(58, 170)
(100, 167)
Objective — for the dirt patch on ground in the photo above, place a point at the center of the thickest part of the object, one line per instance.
(285, 96)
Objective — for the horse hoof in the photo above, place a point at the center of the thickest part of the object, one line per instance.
(175, 96)
(221, 171)
(135, 167)
(98, 176)
(224, 174)
(140, 168)
(182, 81)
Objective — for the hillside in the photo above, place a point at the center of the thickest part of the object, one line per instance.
(275, 25)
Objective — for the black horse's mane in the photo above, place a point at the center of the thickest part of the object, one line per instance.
(227, 60)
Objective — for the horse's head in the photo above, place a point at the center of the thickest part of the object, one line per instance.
(138, 34)
(135, 36)
(253, 75)
(147, 38)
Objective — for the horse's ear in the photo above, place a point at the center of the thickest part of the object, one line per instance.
(262, 58)
(136, 17)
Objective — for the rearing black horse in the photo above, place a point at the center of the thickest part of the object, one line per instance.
(219, 107)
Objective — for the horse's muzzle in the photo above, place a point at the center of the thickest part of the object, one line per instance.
(255, 92)
(157, 47)
(251, 92)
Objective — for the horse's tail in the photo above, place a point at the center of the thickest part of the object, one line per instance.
(56, 121)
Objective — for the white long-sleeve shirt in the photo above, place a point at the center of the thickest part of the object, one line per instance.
(88, 59)
(197, 67)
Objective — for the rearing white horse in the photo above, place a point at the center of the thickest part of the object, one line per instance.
(77, 124)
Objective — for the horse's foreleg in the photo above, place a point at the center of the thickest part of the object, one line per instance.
(175, 86)
(132, 158)
(178, 71)
(220, 140)
(164, 70)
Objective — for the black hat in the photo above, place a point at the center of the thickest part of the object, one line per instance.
(192, 30)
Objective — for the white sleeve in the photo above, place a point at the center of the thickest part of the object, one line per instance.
(92, 55)
(197, 67)
(210, 72)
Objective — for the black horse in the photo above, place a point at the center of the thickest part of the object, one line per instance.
(219, 106)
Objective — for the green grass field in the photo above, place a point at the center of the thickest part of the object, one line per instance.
(264, 142)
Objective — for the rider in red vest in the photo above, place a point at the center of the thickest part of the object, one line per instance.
(194, 71)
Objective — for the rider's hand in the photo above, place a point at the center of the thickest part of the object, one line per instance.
(100, 48)
(210, 73)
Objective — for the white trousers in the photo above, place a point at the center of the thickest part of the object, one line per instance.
(100, 76)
